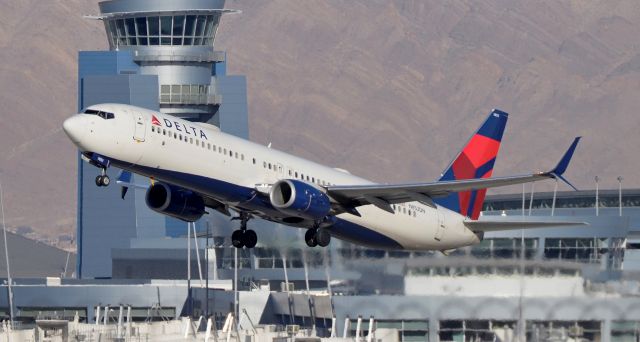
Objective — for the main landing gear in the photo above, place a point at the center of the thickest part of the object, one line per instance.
(102, 179)
(317, 237)
(244, 237)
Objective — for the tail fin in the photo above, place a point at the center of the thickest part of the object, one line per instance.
(475, 161)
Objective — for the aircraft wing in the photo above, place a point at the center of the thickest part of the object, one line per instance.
(383, 195)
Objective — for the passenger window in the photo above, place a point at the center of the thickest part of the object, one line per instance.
(313, 179)
(264, 164)
(236, 155)
(164, 132)
(230, 153)
(153, 128)
(180, 136)
(254, 161)
(289, 172)
(191, 140)
(242, 157)
(175, 135)
(225, 150)
(296, 173)
(269, 166)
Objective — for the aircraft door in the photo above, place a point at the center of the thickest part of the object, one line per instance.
(140, 127)
(441, 225)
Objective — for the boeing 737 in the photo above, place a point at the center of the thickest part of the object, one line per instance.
(194, 166)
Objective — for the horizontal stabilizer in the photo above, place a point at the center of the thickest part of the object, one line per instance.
(510, 223)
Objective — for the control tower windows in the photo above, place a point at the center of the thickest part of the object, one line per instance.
(154, 26)
(165, 25)
(178, 26)
(177, 30)
(186, 94)
(190, 25)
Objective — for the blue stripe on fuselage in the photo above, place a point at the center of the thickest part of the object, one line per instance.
(249, 200)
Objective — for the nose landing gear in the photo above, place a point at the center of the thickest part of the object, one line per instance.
(102, 179)
(244, 237)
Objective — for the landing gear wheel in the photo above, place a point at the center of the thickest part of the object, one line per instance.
(102, 180)
(310, 238)
(323, 237)
(250, 238)
(237, 238)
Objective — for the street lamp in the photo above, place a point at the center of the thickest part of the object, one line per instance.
(6, 254)
(620, 195)
(597, 203)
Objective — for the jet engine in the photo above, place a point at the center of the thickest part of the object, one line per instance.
(176, 202)
(300, 199)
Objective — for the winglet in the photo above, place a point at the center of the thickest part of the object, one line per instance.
(564, 162)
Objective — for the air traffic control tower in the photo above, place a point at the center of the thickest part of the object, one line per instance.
(161, 56)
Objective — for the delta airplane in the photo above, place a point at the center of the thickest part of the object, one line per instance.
(194, 166)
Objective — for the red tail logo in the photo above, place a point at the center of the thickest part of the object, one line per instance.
(155, 121)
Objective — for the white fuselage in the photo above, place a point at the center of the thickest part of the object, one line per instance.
(162, 146)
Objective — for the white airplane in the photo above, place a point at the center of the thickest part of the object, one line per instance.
(194, 165)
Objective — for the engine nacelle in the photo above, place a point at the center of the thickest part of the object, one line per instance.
(299, 199)
(175, 202)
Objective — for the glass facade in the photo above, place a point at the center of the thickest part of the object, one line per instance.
(180, 30)
(476, 330)
(187, 94)
(564, 331)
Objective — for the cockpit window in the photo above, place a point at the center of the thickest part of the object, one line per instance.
(104, 115)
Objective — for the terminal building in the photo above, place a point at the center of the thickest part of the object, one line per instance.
(579, 283)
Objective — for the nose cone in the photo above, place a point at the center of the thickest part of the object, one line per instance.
(74, 128)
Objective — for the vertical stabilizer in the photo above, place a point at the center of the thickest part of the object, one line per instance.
(476, 160)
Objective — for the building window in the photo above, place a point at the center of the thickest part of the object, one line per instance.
(163, 30)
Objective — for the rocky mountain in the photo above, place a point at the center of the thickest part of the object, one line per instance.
(389, 90)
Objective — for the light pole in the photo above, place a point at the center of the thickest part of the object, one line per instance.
(619, 195)
(6, 255)
(597, 204)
